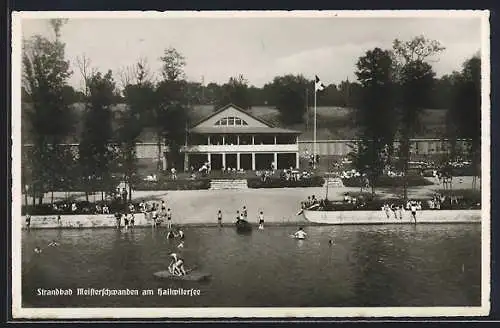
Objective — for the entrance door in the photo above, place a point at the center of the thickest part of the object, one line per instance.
(216, 162)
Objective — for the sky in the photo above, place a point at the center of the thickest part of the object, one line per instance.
(260, 48)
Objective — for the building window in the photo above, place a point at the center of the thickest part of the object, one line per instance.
(231, 121)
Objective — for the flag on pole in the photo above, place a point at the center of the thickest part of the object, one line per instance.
(319, 86)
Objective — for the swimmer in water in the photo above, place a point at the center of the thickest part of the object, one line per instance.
(181, 245)
(300, 234)
(53, 243)
(180, 234)
(37, 250)
(330, 242)
(170, 234)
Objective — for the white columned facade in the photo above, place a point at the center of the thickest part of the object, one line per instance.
(237, 161)
(224, 160)
(253, 161)
(275, 140)
(253, 140)
(237, 139)
(275, 161)
(223, 140)
(297, 159)
(209, 140)
(209, 158)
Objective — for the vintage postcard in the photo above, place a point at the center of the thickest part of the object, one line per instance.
(268, 164)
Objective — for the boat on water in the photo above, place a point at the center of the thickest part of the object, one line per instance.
(243, 226)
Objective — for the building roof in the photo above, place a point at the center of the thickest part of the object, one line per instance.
(220, 110)
(241, 130)
(265, 127)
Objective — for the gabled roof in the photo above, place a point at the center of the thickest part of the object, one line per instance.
(238, 109)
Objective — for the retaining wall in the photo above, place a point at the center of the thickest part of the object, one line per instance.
(380, 217)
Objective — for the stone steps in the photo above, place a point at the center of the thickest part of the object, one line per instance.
(334, 182)
(218, 184)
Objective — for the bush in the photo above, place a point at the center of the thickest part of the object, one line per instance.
(315, 181)
(184, 184)
(386, 182)
(83, 207)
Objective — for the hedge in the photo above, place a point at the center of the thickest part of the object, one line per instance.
(315, 181)
(83, 207)
(386, 182)
(182, 184)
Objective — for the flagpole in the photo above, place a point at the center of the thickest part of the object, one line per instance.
(314, 143)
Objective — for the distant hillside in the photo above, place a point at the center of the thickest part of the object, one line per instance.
(331, 122)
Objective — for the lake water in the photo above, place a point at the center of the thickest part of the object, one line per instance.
(426, 265)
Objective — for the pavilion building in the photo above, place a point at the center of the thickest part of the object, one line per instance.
(233, 138)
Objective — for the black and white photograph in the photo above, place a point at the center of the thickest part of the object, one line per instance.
(238, 164)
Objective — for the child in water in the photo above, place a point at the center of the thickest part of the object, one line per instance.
(53, 243)
(37, 250)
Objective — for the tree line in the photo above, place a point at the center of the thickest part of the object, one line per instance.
(393, 87)
(396, 85)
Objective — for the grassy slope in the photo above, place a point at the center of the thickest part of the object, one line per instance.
(332, 122)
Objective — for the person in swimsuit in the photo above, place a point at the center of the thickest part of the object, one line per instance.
(219, 218)
(170, 234)
(181, 244)
(180, 233)
(53, 243)
(244, 212)
(238, 217)
(413, 208)
(28, 221)
(261, 220)
(37, 250)
(176, 267)
(132, 220)
(300, 234)
(125, 221)
(118, 217)
(169, 219)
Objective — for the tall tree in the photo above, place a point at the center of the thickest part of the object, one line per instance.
(288, 94)
(415, 78)
(173, 63)
(139, 95)
(465, 113)
(97, 150)
(375, 114)
(45, 80)
(170, 111)
(235, 91)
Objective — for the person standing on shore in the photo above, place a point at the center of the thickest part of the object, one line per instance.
(219, 218)
(261, 220)
(132, 220)
(28, 221)
(154, 216)
(169, 219)
(413, 208)
(118, 217)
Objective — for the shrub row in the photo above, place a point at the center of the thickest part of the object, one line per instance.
(181, 184)
(386, 182)
(83, 207)
(273, 182)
